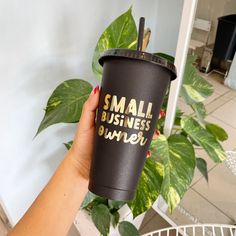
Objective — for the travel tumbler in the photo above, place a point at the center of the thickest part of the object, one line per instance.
(133, 86)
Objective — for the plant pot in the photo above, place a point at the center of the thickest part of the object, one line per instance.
(85, 226)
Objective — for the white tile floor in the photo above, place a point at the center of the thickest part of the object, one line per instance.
(196, 209)
(226, 113)
(220, 191)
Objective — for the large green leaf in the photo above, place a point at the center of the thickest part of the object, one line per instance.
(177, 155)
(127, 229)
(101, 218)
(121, 33)
(66, 102)
(217, 131)
(194, 87)
(203, 138)
(200, 110)
(202, 167)
(149, 187)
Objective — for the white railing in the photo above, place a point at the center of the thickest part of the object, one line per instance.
(230, 161)
(196, 230)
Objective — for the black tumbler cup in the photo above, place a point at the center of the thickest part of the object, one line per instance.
(133, 86)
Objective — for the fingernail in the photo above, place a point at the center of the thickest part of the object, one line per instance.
(156, 134)
(149, 153)
(95, 89)
(161, 114)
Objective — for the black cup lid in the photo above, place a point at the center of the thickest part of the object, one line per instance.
(139, 55)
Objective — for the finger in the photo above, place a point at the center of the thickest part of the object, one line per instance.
(89, 110)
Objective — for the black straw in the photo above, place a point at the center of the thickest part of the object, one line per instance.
(140, 33)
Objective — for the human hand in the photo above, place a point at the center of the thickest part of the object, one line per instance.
(81, 151)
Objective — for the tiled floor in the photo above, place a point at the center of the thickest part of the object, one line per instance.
(152, 221)
(213, 202)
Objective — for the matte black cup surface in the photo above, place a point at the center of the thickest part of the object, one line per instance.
(132, 92)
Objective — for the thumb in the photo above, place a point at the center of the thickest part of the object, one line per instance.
(87, 119)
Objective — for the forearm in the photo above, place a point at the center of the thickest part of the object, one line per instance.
(54, 210)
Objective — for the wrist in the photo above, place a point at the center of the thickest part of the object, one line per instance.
(80, 169)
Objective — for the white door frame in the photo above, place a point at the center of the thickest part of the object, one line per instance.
(185, 30)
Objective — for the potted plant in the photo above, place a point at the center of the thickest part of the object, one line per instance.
(169, 168)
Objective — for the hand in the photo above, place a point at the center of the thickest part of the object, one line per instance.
(81, 151)
(59, 201)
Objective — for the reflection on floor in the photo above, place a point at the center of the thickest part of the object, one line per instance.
(214, 202)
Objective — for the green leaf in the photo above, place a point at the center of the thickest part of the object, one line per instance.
(101, 218)
(149, 187)
(165, 56)
(127, 229)
(191, 140)
(202, 167)
(203, 138)
(217, 131)
(88, 199)
(200, 110)
(92, 200)
(68, 145)
(115, 217)
(115, 204)
(194, 87)
(121, 33)
(191, 59)
(178, 115)
(177, 155)
(66, 103)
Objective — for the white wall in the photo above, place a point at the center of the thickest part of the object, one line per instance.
(167, 26)
(43, 43)
(212, 10)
